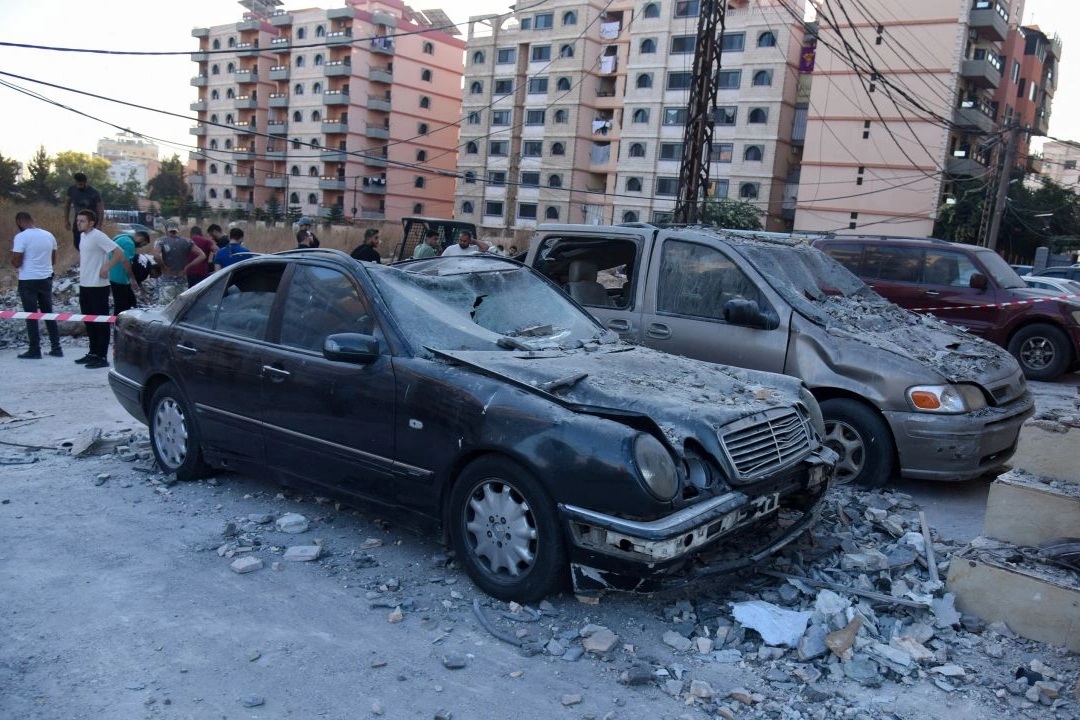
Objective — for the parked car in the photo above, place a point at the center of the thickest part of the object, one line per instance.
(898, 391)
(972, 287)
(1067, 272)
(1022, 270)
(1059, 286)
(468, 393)
(132, 228)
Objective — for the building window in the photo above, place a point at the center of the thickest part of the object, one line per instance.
(504, 86)
(429, 48)
(318, 59)
(476, 88)
(300, 35)
(629, 216)
(296, 116)
(566, 51)
(470, 178)
(213, 144)
(667, 186)
(562, 84)
(644, 80)
(230, 68)
(1070, 165)
(683, 44)
(500, 117)
(425, 75)
(753, 153)
(534, 117)
(215, 70)
(474, 118)
(317, 88)
(679, 80)
(762, 78)
(312, 199)
(748, 191)
(633, 184)
(299, 61)
(311, 171)
(527, 211)
(720, 188)
(557, 148)
(422, 129)
(478, 58)
(544, 21)
(217, 44)
(766, 39)
(530, 179)
(637, 150)
(555, 181)
(728, 79)
(721, 152)
(213, 194)
(652, 10)
(294, 199)
(647, 47)
(297, 144)
(298, 89)
(320, 31)
(532, 148)
(758, 116)
(227, 194)
(316, 116)
(726, 115)
(671, 151)
(561, 116)
(471, 148)
(569, 18)
(467, 207)
(417, 208)
(540, 53)
(421, 156)
(675, 116)
(425, 102)
(538, 86)
(733, 42)
(213, 169)
(493, 207)
(230, 94)
(496, 178)
(214, 95)
(640, 115)
(498, 148)
(551, 213)
(505, 56)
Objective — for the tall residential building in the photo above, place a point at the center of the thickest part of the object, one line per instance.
(901, 107)
(575, 111)
(349, 112)
(1060, 160)
(130, 156)
(1027, 88)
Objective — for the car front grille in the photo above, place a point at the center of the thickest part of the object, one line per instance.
(1005, 394)
(765, 442)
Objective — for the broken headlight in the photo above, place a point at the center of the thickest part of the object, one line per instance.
(655, 467)
(946, 398)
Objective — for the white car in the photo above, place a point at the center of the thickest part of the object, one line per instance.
(1054, 284)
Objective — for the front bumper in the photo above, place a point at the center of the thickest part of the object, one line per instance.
(609, 552)
(958, 447)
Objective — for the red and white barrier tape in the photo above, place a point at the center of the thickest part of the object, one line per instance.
(74, 317)
(996, 305)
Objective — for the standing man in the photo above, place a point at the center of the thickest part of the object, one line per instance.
(81, 196)
(121, 282)
(368, 250)
(304, 237)
(428, 248)
(202, 270)
(220, 239)
(176, 256)
(94, 249)
(234, 251)
(466, 245)
(34, 254)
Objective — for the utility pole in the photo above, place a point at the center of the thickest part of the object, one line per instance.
(1003, 185)
(701, 108)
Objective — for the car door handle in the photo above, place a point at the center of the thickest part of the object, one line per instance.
(932, 293)
(276, 374)
(186, 349)
(619, 326)
(658, 330)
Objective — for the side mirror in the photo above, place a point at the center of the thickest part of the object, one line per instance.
(978, 281)
(351, 348)
(748, 313)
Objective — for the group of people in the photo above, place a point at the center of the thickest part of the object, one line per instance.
(466, 245)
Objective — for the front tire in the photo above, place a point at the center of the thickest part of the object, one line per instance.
(174, 434)
(862, 440)
(1042, 350)
(503, 527)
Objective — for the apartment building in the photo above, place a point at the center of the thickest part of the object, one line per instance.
(1027, 88)
(130, 156)
(575, 111)
(901, 106)
(346, 113)
(1059, 162)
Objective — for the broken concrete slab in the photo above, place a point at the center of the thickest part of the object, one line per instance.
(1024, 513)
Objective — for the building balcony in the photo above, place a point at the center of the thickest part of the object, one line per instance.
(337, 68)
(380, 75)
(340, 13)
(245, 102)
(382, 45)
(983, 71)
(249, 23)
(338, 156)
(277, 181)
(200, 57)
(243, 181)
(331, 183)
(200, 81)
(195, 178)
(197, 106)
(198, 130)
(373, 186)
(1041, 125)
(335, 97)
(275, 153)
(339, 37)
(1034, 164)
(243, 127)
(335, 127)
(377, 132)
(381, 17)
(372, 215)
(990, 20)
(277, 127)
(200, 32)
(244, 77)
(280, 45)
(964, 167)
(279, 100)
(279, 72)
(244, 153)
(378, 104)
(281, 18)
(376, 160)
(247, 49)
(974, 116)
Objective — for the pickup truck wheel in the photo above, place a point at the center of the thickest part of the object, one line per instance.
(863, 441)
(174, 434)
(504, 529)
(1042, 350)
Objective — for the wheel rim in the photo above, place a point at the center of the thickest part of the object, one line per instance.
(170, 432)
(500, 529)
(1037, 353)
(847, 443)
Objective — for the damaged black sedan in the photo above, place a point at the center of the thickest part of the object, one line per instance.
(471, 396)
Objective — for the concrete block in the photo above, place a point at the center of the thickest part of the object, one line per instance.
(1027, 515)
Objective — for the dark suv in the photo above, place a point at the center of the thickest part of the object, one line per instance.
(969, 286)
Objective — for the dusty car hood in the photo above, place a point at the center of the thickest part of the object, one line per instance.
(684, 397)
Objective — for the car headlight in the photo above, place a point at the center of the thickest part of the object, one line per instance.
(812, 407)
(655, 466)
(946, 398)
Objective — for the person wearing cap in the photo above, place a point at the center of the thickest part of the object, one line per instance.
(428, 248)
(304, 237)
(177, 256)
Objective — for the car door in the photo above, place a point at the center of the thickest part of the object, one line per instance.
(218, 348)
(691, 288)
(944, 289)
(327, 422)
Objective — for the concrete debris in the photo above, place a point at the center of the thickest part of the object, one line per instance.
(303, 553)
(246, 564)
(776, 625)
(292, 523)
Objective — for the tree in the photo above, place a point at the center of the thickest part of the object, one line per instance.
(37, 186)
(167, 187)
(273, 210)
(735, 215)
(294, 214)
(961, 221)
(9, 176)
(69, 162)
(336, 216)
(122, 196)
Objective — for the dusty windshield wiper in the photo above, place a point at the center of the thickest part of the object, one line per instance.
(563, 382)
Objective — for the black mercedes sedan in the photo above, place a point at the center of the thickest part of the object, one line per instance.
(472, 397)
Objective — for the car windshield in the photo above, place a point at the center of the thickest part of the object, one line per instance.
(812, 282)
(1001, 273)
(482, 303)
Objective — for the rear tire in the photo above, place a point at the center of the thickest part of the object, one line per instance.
(174, 434)
(1043, 351)
(863, 441)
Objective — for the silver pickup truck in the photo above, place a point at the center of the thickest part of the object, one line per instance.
(899, 391)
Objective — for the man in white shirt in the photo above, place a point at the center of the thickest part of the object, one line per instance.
(34, 254)
(466, 245)
(94, 289)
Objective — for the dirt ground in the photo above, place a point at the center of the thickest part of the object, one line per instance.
(117, 602)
